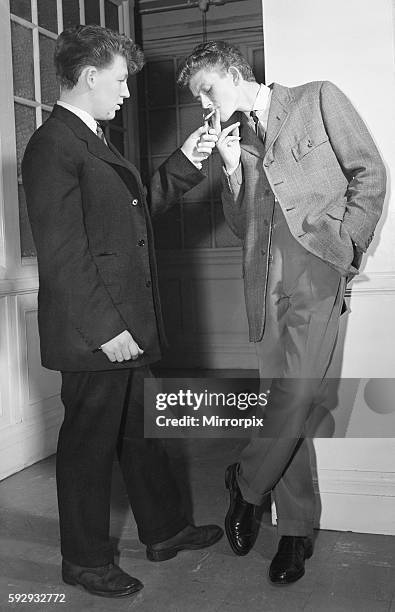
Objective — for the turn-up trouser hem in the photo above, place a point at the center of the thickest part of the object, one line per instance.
(164, 533)
(289, 527)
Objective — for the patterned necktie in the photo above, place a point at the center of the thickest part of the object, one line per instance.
(259, 129)
(100, 133)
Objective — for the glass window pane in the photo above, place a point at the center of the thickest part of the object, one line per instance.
(197, 225)
(190, 119)
(118, 119)
(111, 15)
(22, 61)
(163, 131)
(184, 94)
(167, 229)
(22, 8)
(71, 13)
(92, 11)
(161, 85)
(116, 139)
(49, 85)
(143, 135)
(258, 64)
(27, 244)
(25, 124)
(47, 15)
(45, 115)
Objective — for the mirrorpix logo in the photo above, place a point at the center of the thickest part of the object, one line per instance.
(210, 410)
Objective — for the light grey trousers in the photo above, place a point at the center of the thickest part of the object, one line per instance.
(303, 307)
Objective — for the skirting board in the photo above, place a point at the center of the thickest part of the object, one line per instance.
(353, 500)
(23, 444)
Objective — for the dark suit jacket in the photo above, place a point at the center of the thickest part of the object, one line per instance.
(326, 174)
(92, 230)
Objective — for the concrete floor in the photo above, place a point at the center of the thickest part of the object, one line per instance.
(347, 572)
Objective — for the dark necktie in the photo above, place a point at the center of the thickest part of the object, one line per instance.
(100, 133)
(259, 129)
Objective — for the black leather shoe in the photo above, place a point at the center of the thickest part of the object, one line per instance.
(190, 538)
(106, 580)
(241, 525)
(288, 564)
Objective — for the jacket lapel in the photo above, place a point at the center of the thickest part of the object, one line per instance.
(96, 146)
(278, 113)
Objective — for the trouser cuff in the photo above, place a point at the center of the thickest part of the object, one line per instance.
(163, 533)
(290, 527)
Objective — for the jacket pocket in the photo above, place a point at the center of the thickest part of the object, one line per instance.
(110, 271)
(337, 211)
(308, 144)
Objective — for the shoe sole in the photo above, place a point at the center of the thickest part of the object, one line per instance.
(228, 530)
(113, 595)
(170, 553)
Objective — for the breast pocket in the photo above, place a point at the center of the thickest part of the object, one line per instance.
(307, 144)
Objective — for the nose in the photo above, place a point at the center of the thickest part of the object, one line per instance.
(125, 91)
(205, 101)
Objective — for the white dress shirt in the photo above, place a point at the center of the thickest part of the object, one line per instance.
(83, 115)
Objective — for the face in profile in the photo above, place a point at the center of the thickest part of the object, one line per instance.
(109, 88)
(216, 88)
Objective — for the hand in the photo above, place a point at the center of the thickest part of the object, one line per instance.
(228, 146)
(199, 145)
(121, 348)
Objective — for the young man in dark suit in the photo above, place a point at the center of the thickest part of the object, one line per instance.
(99, 312)
(303, 187)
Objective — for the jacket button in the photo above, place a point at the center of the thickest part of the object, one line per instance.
(263, 252)
(148, 283)
(134, 202)
(141, 243)
(270, 258)
(309, 143)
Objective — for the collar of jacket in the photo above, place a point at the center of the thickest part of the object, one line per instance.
(96, 146)
(281, 101)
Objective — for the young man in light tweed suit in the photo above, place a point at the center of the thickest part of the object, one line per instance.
(303, 187)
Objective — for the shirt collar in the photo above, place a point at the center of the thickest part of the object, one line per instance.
(83, 115)
(262, 98)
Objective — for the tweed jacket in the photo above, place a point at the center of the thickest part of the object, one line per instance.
(326, 174)
(91, 225)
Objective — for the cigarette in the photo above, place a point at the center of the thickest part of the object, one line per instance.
(207, 117)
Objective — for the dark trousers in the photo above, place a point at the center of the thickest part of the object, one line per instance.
(304, 300)
(104, 417)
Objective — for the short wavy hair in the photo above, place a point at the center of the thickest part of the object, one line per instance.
(92, 45)
(212, 54)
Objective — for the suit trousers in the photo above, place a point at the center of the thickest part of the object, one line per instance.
(104, 417)
(303, 306)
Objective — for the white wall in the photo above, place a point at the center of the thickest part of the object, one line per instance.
(352, 44)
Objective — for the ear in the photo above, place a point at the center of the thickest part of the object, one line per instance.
(235, 74)
(89, 75)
